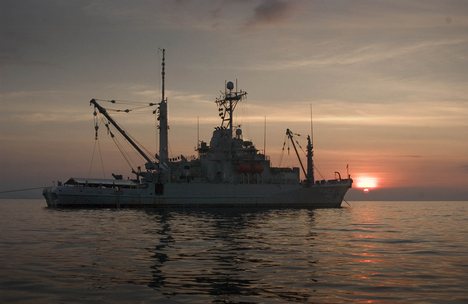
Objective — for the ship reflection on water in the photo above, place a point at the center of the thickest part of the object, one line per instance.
(227, 254)
(281, 255)
(370, 252)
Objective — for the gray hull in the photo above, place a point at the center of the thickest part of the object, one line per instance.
(327, 195)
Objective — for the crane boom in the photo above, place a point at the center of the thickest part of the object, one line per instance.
(103, 111)
(289, 133)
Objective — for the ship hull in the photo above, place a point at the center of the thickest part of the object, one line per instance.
(329, 195)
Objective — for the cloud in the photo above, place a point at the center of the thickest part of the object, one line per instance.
(464, 168)
(59, 117)
(270, 12)
(173, 95)
(13, 46)
(411, 156)
(15, 59)
(368, 54)
(345, 113)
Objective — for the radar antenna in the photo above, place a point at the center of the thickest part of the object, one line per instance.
(227, 103)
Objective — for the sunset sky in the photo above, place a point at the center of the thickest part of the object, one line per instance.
(387, 81)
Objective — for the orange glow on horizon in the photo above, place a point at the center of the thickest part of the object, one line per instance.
(366, 183)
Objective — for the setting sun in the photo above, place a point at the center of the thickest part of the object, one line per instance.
(366, 183)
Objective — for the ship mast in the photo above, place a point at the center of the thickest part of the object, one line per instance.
(227, 103)
(162, 117)
(310, 152)
(310, 162)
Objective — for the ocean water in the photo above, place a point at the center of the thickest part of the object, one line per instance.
(371, 252)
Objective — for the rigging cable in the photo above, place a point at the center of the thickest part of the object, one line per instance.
(141, 146)
(118, 145)
(97, 123)
(96, 127)
(98, 120)
(130, 136)
(92, 158)
(297, 142)
(129, 110)
(318, 171)
(282, 152)
(138, 105)
(122, 101)
(21, 190)
(122, 152)
(100, 157)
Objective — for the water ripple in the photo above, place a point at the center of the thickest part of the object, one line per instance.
(374, 252)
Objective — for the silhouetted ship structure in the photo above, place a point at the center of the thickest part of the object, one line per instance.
(229, 171)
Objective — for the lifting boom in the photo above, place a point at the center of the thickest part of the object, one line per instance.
(103, 111)
(309, 174)
(289, 133)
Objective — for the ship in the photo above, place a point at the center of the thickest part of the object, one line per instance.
(228, 171)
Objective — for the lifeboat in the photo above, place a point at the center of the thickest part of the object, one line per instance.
(250, 167)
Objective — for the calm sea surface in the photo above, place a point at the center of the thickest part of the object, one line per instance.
(373, 252)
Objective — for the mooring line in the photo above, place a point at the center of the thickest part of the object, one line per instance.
(20, 190)
(347, 203)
